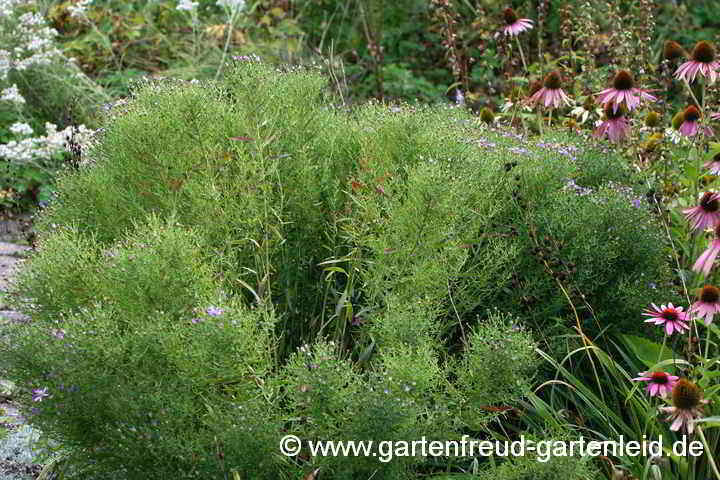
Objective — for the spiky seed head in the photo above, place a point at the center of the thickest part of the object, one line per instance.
(552, 81)
(623, 80)
(686, 395)
(691, 114)
(510, 16)
(703, 52)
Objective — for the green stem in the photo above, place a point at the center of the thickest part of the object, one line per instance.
(522, 55)
(227, 42)
(711, 460)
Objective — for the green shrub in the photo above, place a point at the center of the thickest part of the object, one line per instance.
(389, 232)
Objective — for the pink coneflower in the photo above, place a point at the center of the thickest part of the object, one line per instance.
(690, 126)
(715, 116)
(624, 91)
(714, 164)
(674, 319)
(514, 25)
(702, 60)
(659, 383)
(706, 259)
(616, 125)
(550, 93)
(687, 405)
(707, 304)
(706, 213)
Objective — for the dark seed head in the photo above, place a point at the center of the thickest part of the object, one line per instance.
(686, 395)
(709, 294)
(709, 203)
(659, 377)
(673, 50)
(623, 80)
(691, 114)
(510, 16)
(703, 52)
(609, 114)
(669, 314)
(552, 81)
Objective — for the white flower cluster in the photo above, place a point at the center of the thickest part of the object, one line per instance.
(43, 147)
(79, 9)
(232, 4)
(187, 5)
(21, 129)
(11, 94)
(26, 41)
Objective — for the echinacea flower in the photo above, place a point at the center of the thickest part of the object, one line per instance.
(616, 125)
(706, 259)
(514, 25)
(550, 93)
(659, 383)
(706, 213)
(689, 127)
(714, 164)
(686, 406)
(673, 318)
(715, 116)
(624, 91)
(39, 394)
(707, 304)
(702, 61)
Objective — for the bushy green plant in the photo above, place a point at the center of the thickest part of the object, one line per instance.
(388, 232)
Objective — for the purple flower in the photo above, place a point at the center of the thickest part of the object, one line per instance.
(58, 333)
(514, 25)
(214, 311)
(39, 394)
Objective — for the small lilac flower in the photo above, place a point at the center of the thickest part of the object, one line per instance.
(624, 92)
(514, 25)
(58, 333)
(702, 61)
(550, 93)
(214, 311)
(196, 320)
(689, 126)
(673, 318)
(39, 394)
(706, 213)
(707, 304)
(706, 259)
(659, 383)
(616, 125)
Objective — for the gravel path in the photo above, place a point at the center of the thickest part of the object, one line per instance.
(16, 437)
